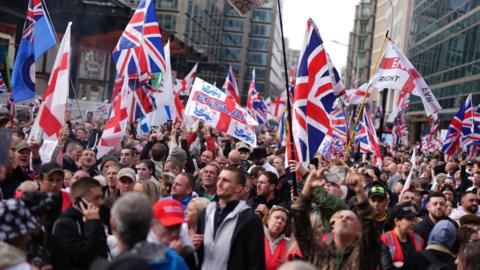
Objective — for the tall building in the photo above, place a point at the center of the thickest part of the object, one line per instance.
(253, 42)
(395, 17)
(445, 48)
(360, 44)
(220, 38)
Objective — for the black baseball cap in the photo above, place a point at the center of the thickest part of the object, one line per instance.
(51, 167)
(404, 210)
(377, 190)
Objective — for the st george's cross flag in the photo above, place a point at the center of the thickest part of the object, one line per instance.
(52, 112)
(37, 38)
(396, 72)
(116, 125)
(220, 111)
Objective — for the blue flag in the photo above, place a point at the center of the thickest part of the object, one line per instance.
(37, 38)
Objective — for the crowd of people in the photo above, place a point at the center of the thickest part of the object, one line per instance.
(198, 199)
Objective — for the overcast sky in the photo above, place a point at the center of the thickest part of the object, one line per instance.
(334, 20)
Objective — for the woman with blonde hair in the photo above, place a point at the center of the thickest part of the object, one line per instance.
(150, 188)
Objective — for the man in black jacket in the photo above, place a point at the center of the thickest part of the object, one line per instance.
(436, 208)
(232, 233)
(80, 228)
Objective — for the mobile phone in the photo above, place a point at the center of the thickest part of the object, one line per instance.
(82, 201)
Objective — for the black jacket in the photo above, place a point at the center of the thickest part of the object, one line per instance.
(69, 164)
(247, 247)
(10, 184)
(424, 227)
(434, 259)
(85, 241)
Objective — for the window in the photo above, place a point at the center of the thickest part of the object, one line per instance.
(258, 44)
(167, 4)
(260, 30)
(259, 73)
(257, 58)
(233, 24)
(167, 21)
(232, 39)
(261, 16)
(230, 54)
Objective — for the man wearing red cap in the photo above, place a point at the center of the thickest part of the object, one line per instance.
(167, 227)
(232, 232)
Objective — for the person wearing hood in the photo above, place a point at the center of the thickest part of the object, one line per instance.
(438, 252)
(80, 229)
(17, 225)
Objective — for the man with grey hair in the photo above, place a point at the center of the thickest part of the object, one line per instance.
(131, 217)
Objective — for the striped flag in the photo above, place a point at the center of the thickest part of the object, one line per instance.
(230, 86)
(457, 128)
(314, 96)
(255, 105)
(140, 48)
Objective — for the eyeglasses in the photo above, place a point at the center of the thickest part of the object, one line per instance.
(278, 207)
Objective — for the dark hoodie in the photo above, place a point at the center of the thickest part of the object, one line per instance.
(85, 241)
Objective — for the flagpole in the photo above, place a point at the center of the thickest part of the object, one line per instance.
(47, 13)
(289, 109)
(360, 111)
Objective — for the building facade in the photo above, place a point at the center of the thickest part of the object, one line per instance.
(360, 44)
(395, 17)
(445, 47)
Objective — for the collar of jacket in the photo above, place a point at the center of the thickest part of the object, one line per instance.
(440, 248)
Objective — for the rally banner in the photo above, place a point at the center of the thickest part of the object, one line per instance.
(396, 72)
(213, 106)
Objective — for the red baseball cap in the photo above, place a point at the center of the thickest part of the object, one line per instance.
(168, 212)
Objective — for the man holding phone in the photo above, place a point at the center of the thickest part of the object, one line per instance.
(80, 228)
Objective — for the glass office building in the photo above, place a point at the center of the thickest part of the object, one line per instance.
(445, 47)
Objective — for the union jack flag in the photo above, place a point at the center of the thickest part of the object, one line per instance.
(183, 87)
(255, 105)
(12, 109)
(313, 97)
(140, 48)
(457, 127)
(3, 86)
(338, 87)
(372, 137)
(230, 86)
(361, 137)
(339, 124)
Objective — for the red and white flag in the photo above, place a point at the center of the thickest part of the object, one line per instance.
(183, 87)
(52, 114)
(116, 125)
(396, 72)
(220, 111)
(278, 106)
(356, 96)
(408, 182)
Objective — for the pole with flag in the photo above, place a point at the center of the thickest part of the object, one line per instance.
(52, 114)
(408, 182)
(352, 134)
(288, 126)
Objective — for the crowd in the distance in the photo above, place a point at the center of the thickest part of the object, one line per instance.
(197, 199)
